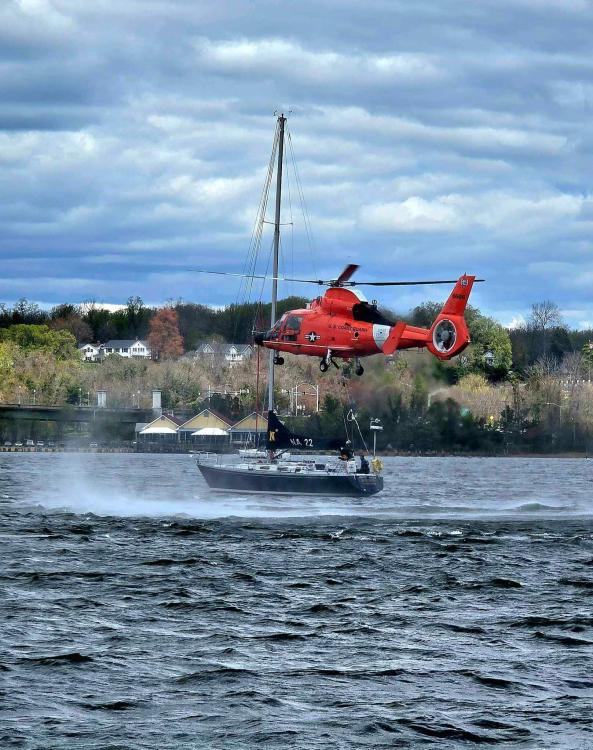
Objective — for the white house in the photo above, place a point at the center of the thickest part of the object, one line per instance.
(89, 352)
(230, 353)
(126, 348)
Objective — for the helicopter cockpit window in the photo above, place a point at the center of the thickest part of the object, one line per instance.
(274, 332)
(367, 313)
(291, 327)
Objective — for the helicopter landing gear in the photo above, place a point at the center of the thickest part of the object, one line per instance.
(359, 368)
(278, 360)
(326, 361)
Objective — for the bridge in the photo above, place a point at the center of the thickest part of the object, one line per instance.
(69, 413)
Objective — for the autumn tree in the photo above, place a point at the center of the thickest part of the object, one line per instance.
(164, 338)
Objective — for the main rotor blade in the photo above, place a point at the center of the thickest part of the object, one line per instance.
(258, 276)
(341, 281)
(350, 269)
(404, 283)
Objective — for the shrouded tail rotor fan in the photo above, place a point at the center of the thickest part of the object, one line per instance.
(444, 336)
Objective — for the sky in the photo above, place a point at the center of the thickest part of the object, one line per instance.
(431, 139)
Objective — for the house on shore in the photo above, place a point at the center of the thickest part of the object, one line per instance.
(125, 348)
(230, 354)
(250, 430)
(205, 431)
(89, 352)
(207, 427)
(162, 431)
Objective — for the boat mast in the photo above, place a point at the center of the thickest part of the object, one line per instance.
(281, 122)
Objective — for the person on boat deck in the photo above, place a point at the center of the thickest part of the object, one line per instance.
(346, 452)
(364, 465)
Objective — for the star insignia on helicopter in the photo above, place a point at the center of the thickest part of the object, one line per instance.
(312, 336)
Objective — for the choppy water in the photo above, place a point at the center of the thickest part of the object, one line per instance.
(141, 611)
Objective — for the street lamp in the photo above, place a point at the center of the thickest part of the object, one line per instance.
(34, 396)
(376, 427)
(314, 388)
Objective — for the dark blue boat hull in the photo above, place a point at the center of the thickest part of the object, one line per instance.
(278, 483)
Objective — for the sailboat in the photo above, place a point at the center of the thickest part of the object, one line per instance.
(278, 471)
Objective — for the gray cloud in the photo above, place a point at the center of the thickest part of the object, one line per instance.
(134, 140)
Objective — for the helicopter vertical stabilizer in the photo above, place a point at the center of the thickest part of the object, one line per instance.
(458, 298)
(449, 334)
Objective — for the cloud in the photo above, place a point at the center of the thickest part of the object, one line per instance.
(469, 139)
(134, 144)
(497, 212)
(265, 57)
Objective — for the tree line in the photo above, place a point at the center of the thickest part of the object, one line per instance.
(518, 390)
(89, 322)
(495, 350)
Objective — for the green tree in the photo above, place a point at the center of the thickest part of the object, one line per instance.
(60, 344)
(587, 351)
(99, 321)
(138, 318)
(490, 350)
(28, 312)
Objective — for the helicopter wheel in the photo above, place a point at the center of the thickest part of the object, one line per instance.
(323, 366)
(278, 360)
(359, 369)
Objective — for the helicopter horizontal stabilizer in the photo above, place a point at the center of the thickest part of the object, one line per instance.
(392, 341)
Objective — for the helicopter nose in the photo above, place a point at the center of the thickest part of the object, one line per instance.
(259, 338)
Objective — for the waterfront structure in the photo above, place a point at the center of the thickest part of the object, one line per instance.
(205, 427)
(250, 430)
(161, 431)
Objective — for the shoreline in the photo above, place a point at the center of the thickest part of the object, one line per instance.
(380, 454)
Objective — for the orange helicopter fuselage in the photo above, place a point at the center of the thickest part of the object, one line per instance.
(327, 323)
(342, 324)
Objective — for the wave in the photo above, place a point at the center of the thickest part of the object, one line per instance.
(59, 659)
(135, 485)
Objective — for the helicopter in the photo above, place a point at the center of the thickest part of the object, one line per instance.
(342, 324)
